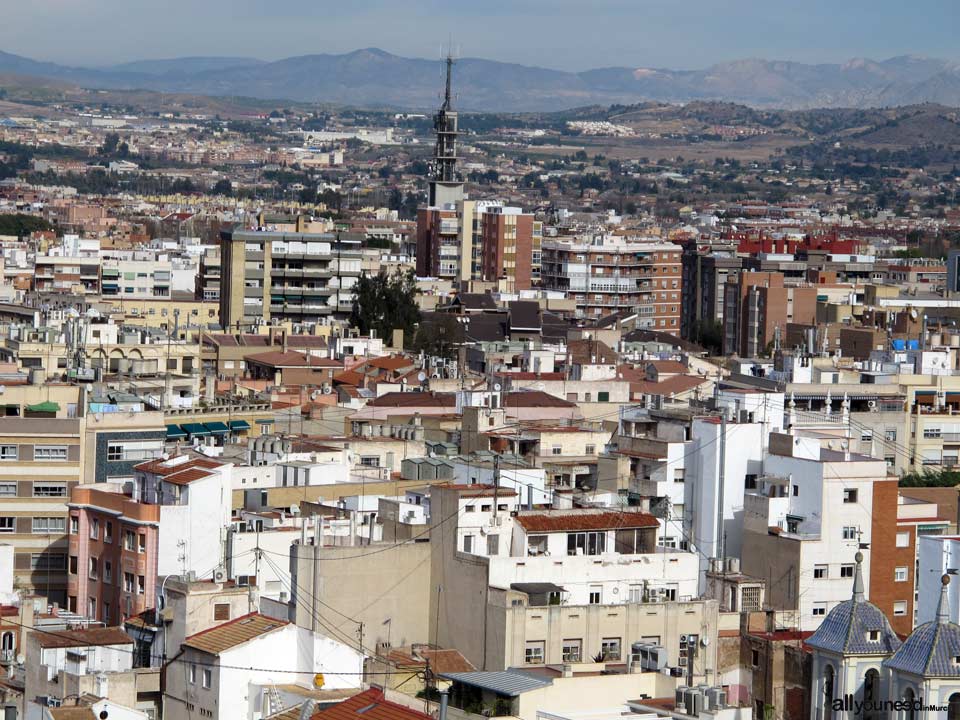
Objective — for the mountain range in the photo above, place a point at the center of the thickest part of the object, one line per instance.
(375, 78)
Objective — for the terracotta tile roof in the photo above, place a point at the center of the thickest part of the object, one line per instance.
(217, 639)
(396, 362)
(441, 661)
(535, 398)
(580, 520)
(163, 467)
(414, 399)
(349, 377)
(84, 638)
(667, 366)
(185, 477)
(369, 705)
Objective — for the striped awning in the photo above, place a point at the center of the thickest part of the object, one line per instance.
(196, 429)
(175, 432)
(217, 428)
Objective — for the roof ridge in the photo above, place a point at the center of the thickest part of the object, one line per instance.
(254, 613)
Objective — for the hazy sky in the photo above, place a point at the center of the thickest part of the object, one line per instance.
(565, 34)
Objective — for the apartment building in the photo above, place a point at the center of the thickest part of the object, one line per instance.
(574, 584)
(59, 274)
(758, 306)
(71, 663)
(300, 277)
(706, 273)
(112, 570)
(136, 278)
(480, 240)
(605, 274)
(40, 462)
(807, 517)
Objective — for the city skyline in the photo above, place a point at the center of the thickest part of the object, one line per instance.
(561, 35)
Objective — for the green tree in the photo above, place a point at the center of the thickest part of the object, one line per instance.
(223, 187)
(110, 144)
(385, 303)
(438, 335)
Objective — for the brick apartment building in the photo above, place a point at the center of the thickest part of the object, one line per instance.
(113, 541)
(605, 274)
(480, 241)
(759, 303)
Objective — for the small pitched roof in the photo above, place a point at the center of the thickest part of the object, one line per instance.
(525, 315)
(84, 638)
(243, 629)
(535, 398)
(414, 399)
(292, 359)
(475, 301)
(554, 521)
(369, 705)
(504, 682)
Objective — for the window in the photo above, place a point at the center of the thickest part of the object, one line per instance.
(688, 643)
(610, 649)
(796, 491)
(603, 396)
(73, 564)
(108, 532)
(128, 582)
(207, 677)
(49, 525)
(370, 461)
(533, 652)
(74, 525)
(486, 507)
(849, 532)
(470, 508)
(106, 613)
(750, 482)
(107, 571)
(890, 435)
(635, 593)
(846, 571)
(141, 585)
(556, 450)
(134, 450)
(820, 572)
(819, 609)
(49, 453)
(129, 539)
(93, 568)
(900, 607)
(49, 489)
(9, 452)
(8, 489)
(596, 594)
(493, 544)
(48, 561)
(192, 674)
(468, 543)
(849, 495)
(903, 539)
(572, 650)
(873, 635)
(586, 543)
(91, 612)
(142, 547)
(94, 529)
(590, 450)
(931, 433)
(900, 574)
(8, 524)
(755, 658)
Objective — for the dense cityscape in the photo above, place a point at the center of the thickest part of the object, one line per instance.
(667, 387)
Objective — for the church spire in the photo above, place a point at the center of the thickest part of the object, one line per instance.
(943, 607)
(858, 594)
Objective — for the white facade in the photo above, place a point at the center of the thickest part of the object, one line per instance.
(936, 554)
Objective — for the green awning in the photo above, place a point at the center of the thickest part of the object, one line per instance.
(196, 429)
(217, 428)
(239, 425)
(265, 421)
(175, 432)
(47, 406)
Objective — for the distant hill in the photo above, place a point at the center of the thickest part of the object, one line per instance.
(372, 77)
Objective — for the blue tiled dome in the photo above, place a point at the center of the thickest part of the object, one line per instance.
(933, 648)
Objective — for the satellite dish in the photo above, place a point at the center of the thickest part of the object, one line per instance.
(497, 387)
(705, 641)
(21, 659)
(421, 376)
(294, 509)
